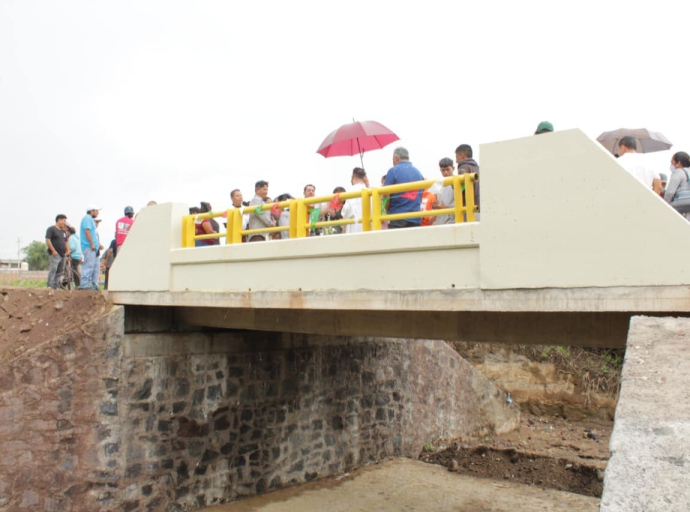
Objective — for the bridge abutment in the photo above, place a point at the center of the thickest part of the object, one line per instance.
(157, 415)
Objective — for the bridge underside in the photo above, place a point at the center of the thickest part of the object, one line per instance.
(586, 317)
(571, 329)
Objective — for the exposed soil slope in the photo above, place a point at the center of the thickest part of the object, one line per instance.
(32, 316)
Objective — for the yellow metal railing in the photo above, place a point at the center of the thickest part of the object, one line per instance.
(372, 211)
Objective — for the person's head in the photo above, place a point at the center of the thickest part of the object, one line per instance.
(627, 145)
(358, 175)
(129, 212)
(236, 198)
(93, 211)
(447, 167)
(71, 230)
(339, 190)
(543, 127)
(309, 190)
(205, 207)
(261, 188)
(463, 152)
(60, 220)
(194, 210)
(680, 160)
(283, 197)
(151, 203)
(400, 154)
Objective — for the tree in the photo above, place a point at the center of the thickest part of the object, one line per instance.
(37, 255)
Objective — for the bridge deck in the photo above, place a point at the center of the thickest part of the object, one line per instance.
(568, 248)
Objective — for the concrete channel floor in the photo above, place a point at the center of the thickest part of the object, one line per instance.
(407, 485)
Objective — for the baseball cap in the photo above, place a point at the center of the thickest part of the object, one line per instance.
(544, 127)
(129, 209)
(90, 208)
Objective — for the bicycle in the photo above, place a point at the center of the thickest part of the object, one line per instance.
(69, 280)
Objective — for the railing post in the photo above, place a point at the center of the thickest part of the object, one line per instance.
(457, 195)
(185, 220)
(293, 218)
(366, 210)
(237, 226)
(376, 206)
(190, 230)
(469, 196)
(301, 231)
(229, 226)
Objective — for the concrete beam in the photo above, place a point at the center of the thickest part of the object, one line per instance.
(657, 299)
(570, 329)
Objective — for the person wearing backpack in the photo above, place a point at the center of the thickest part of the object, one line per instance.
(677, 192)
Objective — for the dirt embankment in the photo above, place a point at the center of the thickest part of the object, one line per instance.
(32, 316)
(567, 382)
(568, 398)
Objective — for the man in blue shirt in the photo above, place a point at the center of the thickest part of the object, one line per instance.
(90, 246)
(403, 202)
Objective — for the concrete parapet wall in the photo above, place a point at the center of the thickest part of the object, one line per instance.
(101, 420)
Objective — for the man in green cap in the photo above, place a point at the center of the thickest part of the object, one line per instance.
(544, 127)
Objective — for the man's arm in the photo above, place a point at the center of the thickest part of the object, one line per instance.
(264, 217)
(50, 246)
(656, 186)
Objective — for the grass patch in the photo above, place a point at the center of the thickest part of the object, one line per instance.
(40, 283)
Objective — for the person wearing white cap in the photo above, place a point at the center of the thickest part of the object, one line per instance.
(90, 246)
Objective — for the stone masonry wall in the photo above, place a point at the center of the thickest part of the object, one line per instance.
(180, 421)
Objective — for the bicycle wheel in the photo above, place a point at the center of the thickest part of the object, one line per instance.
(76, 280)
(66, 280)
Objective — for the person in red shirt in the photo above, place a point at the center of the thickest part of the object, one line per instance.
(123, 226)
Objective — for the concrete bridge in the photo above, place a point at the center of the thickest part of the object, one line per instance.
(569, 247)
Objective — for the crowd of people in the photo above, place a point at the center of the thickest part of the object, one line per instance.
(675, 191)
(78, 256)
(403, 171)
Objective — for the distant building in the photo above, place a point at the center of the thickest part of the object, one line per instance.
(12, 265)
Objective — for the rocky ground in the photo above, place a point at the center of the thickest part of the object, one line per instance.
(31, 316)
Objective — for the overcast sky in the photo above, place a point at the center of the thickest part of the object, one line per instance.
(119, 103)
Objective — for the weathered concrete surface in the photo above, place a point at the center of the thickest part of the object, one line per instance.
(403, 484)
(649, 468)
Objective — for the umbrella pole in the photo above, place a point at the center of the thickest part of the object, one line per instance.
(361, 153)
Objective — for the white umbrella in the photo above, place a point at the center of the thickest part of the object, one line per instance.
(647, 142)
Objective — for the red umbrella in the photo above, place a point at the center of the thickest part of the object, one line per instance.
(356, 138)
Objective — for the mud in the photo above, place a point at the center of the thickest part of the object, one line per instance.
(551, 453)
